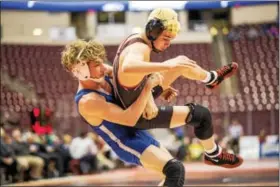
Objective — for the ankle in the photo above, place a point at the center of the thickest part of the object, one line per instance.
(216, 151)
(211, 76)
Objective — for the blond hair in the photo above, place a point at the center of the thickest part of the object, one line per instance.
(81, 50)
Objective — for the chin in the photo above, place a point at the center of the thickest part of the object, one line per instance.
(98, 80)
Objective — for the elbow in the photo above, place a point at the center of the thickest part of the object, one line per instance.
(131, 122)
(128, 66)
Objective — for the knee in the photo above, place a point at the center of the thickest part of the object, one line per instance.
(174, 171)
(37, 162)
(23, 163)
(200, 118)
(40, 162)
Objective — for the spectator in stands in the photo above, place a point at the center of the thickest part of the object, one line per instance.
(55, 154)
(252, 33)
(274, 31)
(187, 142)
(262, 140)
(262, 136)
(63, 149)
(180, 134)
(23, 156)
(235, 131)
(234, 34)
(7, 158)
(196, 150)
(54, 161)
(85, 150)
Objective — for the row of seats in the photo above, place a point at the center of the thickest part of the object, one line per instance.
(259, 69)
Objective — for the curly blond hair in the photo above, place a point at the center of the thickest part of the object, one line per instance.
(81, 50)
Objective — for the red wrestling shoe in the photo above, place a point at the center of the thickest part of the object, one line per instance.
(223, 73)
(224, 159)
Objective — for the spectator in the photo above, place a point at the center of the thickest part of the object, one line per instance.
(252, 33)
(54, 161)
(182, 151)
(7, 158)
(186, 143)
(196, 150)
(235, 131)
(23, 156)
(233, 35)
(62, 148)
(84, 149)
(262, 136)
(262, 140)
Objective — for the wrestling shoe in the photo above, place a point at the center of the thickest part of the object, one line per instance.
(224, 159)
(223, 73)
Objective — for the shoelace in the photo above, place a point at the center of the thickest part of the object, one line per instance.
(224, 70)
(227, 157)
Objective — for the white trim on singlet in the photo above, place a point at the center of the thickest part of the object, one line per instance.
(115, 139)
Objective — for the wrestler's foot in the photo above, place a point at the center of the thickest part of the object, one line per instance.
(223, 73)
(224, 159)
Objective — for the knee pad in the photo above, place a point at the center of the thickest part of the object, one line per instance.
(174, 171)
(200, 118)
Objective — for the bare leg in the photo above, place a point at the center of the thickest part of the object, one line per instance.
(193, 73)
(178, 119)
(212, 150)
(161, 183)
(155, 158)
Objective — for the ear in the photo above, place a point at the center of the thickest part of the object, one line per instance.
(154, 28)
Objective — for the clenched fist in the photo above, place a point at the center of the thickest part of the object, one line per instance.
(155, 79)
(169, 94)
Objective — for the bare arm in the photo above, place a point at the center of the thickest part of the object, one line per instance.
(133, 61)
(96, 106)
(151, 109)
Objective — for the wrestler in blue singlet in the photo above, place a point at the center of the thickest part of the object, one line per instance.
(127, 142)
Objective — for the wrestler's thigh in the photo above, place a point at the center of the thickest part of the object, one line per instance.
(169, 77)
(155, 158)
(180, 113)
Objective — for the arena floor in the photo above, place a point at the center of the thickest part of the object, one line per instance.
(251, 173)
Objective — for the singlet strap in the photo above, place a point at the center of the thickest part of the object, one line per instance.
(83, 92)
(108, 80)
(128, 42)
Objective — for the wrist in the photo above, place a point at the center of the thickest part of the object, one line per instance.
(169, 66)
(148, 87)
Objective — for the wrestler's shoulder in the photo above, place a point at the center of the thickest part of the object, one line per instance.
(141, 42)
(90, 98)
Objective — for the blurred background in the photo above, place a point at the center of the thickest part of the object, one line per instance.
(41, 131)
